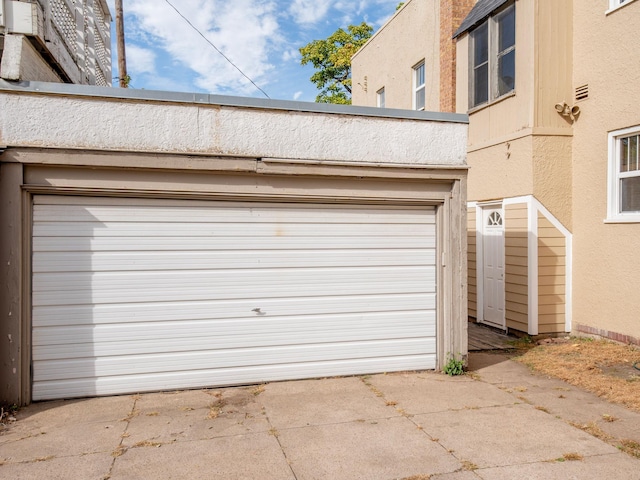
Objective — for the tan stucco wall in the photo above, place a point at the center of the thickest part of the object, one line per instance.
(552, 169)
(387, 60)
(501, 171)
(606, 261)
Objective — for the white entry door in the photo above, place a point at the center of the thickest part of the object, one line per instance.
(493, 267)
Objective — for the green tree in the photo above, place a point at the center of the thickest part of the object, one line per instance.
(399, 6)
(332, 60)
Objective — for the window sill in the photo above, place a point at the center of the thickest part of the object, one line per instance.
(618, 7)
(477, 108)
(623, 219)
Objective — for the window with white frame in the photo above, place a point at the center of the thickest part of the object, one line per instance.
(493, 57)
(624, 175)
(380, 98)
(418, 87)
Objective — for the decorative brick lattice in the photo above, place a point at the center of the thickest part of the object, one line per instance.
(64, 21)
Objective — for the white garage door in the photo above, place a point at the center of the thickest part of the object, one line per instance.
(139, 295)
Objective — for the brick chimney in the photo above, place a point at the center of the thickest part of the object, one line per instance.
(452, 13)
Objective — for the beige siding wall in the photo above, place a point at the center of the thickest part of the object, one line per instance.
(387, 60)
(516, 270)
(472, 277)
(552, 260)
(606, 262)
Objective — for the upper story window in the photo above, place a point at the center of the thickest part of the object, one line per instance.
(418, 87)
(493, 57)
(624, 175)
(615, 4)
(380, 98)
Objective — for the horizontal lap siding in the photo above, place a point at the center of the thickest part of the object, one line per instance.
(472, 266)
(552, 260)
(142, 295)
(516, 266)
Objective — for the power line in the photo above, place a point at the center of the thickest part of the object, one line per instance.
(216, 48)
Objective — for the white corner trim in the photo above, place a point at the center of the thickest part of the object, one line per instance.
(568, 323)
(479, 266)
(532, 271)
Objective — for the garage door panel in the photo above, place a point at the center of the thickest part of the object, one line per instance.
(226, 213)
(147, 243)
(218, 359)
(52, 343)
(176, 286)
(313, 230)
(231, 376)
(208, 260)
(66, 315)
(135, 295)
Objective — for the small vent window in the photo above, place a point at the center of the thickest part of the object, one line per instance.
(494, 220)
(582, 92)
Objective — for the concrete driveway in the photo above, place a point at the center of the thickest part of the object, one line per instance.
(502, 422)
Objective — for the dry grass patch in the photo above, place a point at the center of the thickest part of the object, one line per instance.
(147, 443)
(602, 367)
(630, 447)
(570, 457)
(417, 477)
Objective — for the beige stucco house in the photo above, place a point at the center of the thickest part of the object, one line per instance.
(554, 202)
(158, 240)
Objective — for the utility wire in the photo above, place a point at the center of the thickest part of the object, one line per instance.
(216, 48)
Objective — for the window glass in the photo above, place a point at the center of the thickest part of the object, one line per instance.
(506, 72)
(507, 29)
(419, 92)
(481, 44)
(481, 85)
(630, 194)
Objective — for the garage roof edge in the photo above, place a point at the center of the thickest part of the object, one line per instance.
(224, 100)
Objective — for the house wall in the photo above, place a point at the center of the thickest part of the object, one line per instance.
(21, 61)
(519, 144)
(472, 272)
(516, 234)
(606, 263)
(388, 58)
(552, 261)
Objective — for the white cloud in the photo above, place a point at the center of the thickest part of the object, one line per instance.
(140, 60)
(246, 31)
(291, 54)
(309, 11)
(297, 95)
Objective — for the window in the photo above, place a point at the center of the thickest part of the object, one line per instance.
(624, 175)
(380, 95)
(418, 87)
(493, 57)
(615, 4)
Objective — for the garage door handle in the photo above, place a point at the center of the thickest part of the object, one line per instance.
(258, 311)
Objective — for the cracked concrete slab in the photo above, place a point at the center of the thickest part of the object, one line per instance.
(507, 435)
(430, 392)
(319, 402)
(369, 449)
(87, 467)
(240, 457)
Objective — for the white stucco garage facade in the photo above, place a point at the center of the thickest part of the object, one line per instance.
(155, 241)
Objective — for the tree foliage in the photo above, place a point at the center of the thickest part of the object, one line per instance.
(332, 60)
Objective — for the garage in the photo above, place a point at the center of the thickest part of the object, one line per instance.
(156, 241)
(137, 295)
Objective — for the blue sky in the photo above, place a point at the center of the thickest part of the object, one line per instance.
(261, 37)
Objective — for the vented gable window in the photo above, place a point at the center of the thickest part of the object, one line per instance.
(493, 57)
